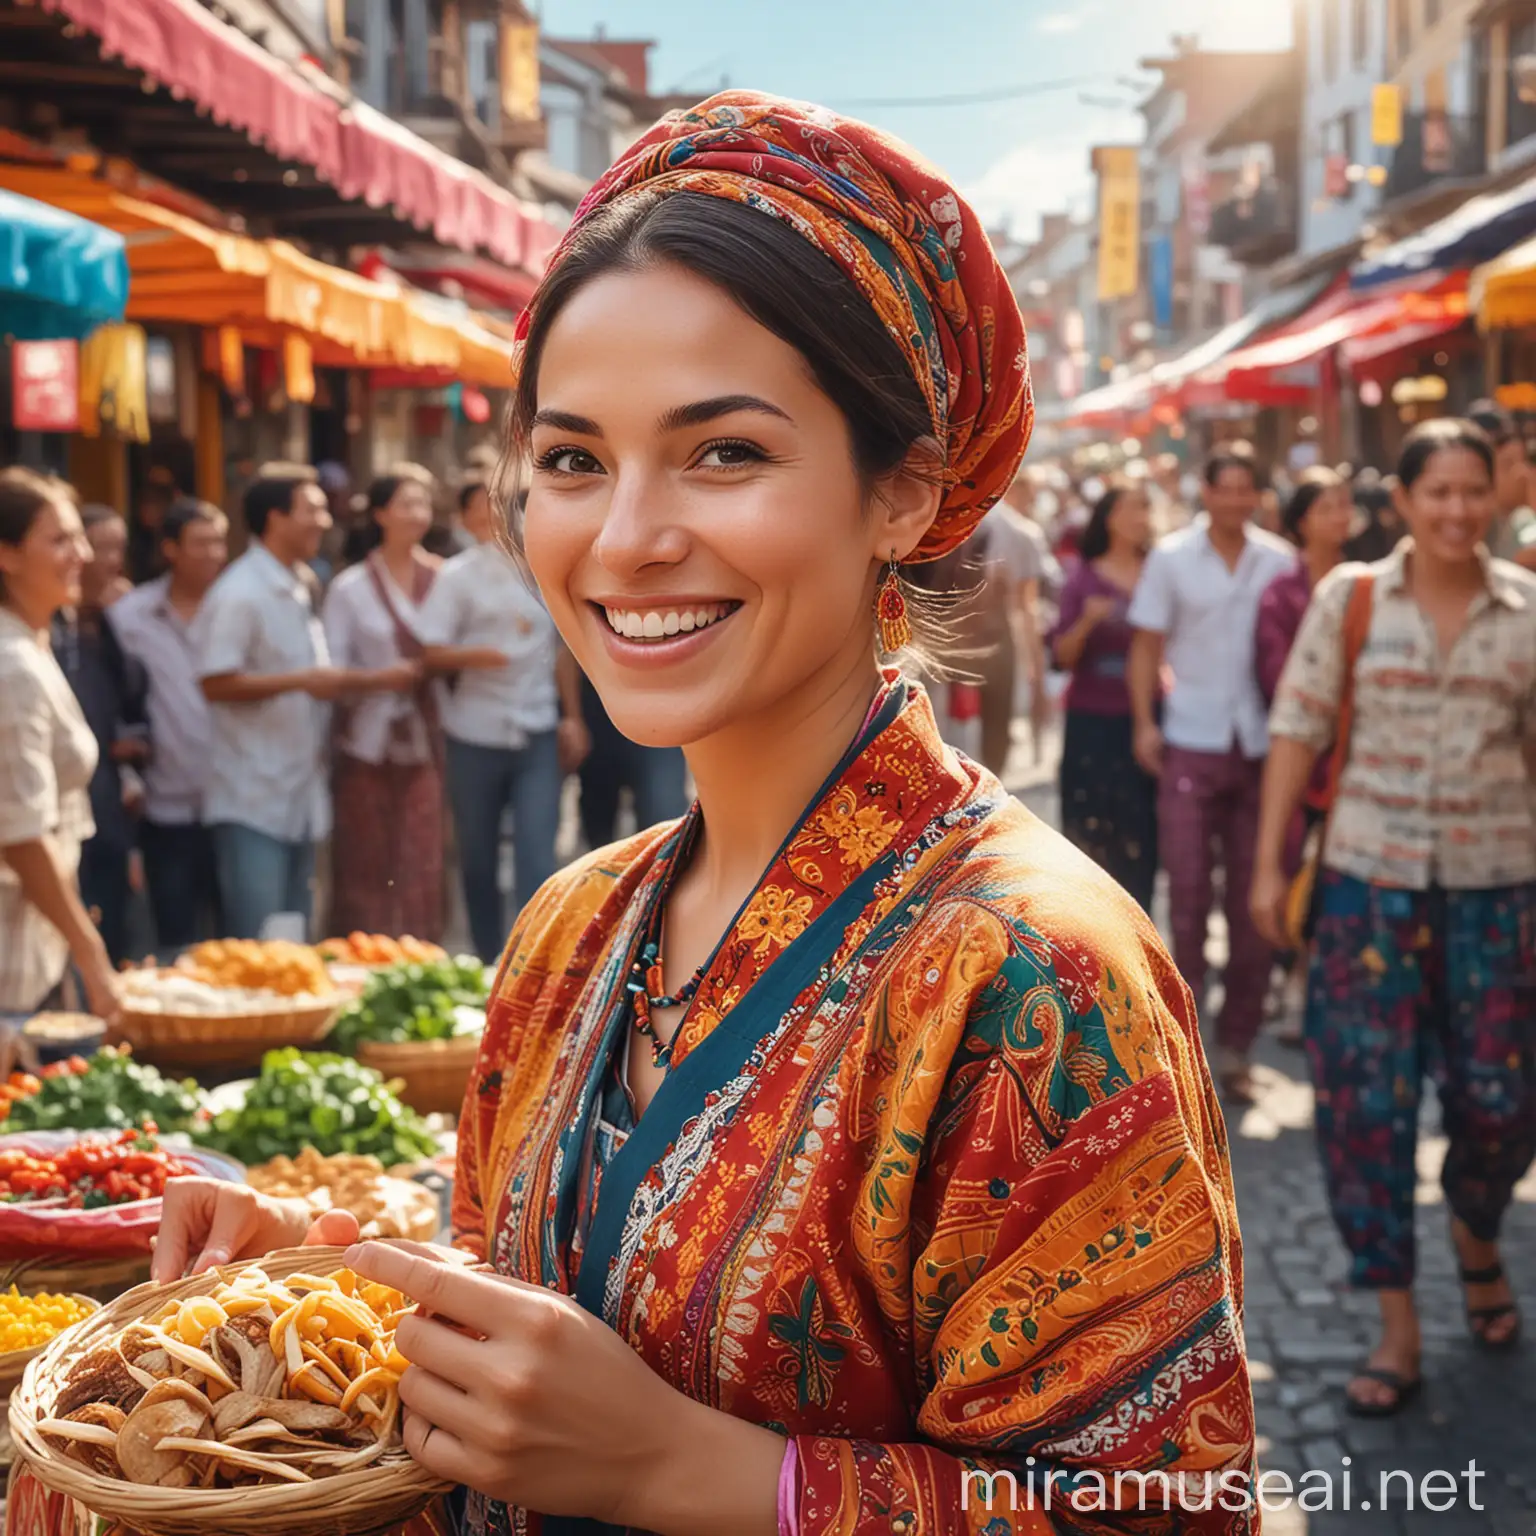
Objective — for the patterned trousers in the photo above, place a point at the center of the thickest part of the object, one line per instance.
(1208, 810)
(1404, 985)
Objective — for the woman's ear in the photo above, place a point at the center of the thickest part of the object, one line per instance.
(907, 500)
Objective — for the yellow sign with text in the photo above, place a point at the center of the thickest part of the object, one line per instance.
(1386, 116)
(1119, 171)
(520, 71)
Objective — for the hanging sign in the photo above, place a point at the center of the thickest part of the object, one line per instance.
(1119, 221)
(45, 386)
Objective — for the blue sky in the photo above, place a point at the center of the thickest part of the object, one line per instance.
(1016, 159)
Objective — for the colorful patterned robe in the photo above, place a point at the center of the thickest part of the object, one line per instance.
(937, 1183)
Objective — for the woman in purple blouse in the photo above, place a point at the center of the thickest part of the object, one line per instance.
(1318, 519)
(1108, 804)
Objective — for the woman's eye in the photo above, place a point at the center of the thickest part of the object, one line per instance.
(569, 461)
(729, 456)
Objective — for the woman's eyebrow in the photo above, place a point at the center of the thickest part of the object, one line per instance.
(699, 412)
(567, 421)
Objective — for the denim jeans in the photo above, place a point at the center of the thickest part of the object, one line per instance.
(482, 783)
(657, 777)
(260, 876)
(183, 879)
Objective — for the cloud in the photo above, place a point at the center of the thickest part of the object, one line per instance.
(1060, 21)
(1030, 180)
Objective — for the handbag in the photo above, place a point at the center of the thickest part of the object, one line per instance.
(1301, 898)
(423, 699)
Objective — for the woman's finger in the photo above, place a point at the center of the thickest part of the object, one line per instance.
(438, 1284)
(440, 1402)
(444, 1351)
(234, 1220)
(442, 1453)
(332, 1229)
(183, 1217)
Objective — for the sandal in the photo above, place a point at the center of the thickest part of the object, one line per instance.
(1481, 1319)
(1404, 1392)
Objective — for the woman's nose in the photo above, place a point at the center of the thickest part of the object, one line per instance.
(639, 526)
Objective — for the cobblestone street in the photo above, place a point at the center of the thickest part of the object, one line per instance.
(1306, 1331)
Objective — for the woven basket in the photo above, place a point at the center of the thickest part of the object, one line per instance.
(372, 1499)
(434, 1074)
(225, 1040)
(14, 1363)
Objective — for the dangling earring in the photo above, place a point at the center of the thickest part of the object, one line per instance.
(891, 612)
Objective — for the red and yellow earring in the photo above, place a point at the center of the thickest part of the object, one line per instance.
(891, 611)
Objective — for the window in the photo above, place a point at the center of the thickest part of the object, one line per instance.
(1328, 22)
(1359, 33)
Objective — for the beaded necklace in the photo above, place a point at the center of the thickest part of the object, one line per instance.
(645, 984)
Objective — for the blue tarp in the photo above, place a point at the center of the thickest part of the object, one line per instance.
(60, 275)
(1478, 231)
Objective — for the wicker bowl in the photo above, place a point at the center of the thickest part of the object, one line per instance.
(13, 1363)
(374, 1498)
(225, 1039)
(434, 1074)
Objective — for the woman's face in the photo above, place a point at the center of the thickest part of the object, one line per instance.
(695, 520)
(1329, 520)
(407, 516)
(42, 572)
(1130, 524)
(479, 517)
(1450, 508)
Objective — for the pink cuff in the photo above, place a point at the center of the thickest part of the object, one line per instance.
(789, 1492)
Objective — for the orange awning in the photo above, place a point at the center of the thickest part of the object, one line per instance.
(184, 271)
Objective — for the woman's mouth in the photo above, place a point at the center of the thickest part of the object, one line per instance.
(659, 625)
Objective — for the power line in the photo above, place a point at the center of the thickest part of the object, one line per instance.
(979, 98)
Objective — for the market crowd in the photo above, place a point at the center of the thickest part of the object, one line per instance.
(1245, 667)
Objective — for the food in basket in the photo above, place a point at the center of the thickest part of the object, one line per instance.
(379, 949)
(96, 1171)
(269, 966)
(316, 1099)
(111, 1091)
(385, 1206)
(258, 1381)
(415, 1003)
(182, 992)
(28, 1322)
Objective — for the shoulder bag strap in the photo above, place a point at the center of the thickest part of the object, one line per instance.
(1357, 625)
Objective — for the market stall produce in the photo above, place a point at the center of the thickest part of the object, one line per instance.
(180, 1016)
(110, 1091)
(271, 965)
(245, 1400)
(315, 1099)
(384, 1205)
(420, 1025)
(28, 1324)
(379, 949)
(93, 1197)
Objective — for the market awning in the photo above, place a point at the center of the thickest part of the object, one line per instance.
(1476, 232)
(302, 117)
(1112, 406)
(1284, 369)
(61, 276)
(184, 271)
(1503, 292)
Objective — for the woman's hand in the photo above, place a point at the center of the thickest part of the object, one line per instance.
(207, 1222)
(518, 1393)
(101, 988)
(1268, 899)
(1097, 608)
(573, 743)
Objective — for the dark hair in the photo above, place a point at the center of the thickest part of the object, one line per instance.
(94, 513)
(1494, 420)
(1432, 437)
(23, 495)
(1232, 457)
(468, 492)
(269, 493)
(773, 273)
(1309, 491)
(1093, 542)
(185, 511)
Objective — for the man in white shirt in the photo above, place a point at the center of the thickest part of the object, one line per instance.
(267, 675)
(1195, 608)
(153, 624)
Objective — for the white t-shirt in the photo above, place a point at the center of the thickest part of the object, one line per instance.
(481, 600)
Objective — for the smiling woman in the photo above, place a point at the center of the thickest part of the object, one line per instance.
(849, 1138)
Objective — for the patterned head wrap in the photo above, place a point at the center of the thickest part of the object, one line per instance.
(897, 227)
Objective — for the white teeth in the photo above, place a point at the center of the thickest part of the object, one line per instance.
(659, 624)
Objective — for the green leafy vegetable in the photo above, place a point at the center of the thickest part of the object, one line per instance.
(114, 1093)
(420, 1001)
(315, 1099)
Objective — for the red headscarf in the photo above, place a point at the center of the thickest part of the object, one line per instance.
(898, 228)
